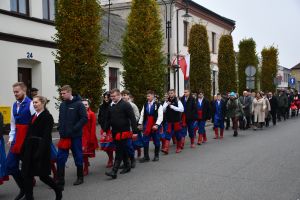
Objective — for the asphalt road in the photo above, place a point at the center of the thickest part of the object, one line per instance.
(257, 165)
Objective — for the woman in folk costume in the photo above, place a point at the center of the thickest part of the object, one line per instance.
(36, 151)
(258, 110)
(89, 138)
(106, 140)
(3, 177)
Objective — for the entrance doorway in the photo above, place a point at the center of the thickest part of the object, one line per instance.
(25, 76)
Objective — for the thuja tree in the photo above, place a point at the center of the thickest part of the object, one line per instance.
(226, 62)
(269, 68)
(79, 58)
(143, 58)
(200, 72)
(246, 57)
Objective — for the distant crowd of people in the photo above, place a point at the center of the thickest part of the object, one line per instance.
(124, 131)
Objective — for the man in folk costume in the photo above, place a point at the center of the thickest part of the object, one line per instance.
(173, 109)
(189, 116)
(72, 118)
(203, 114)
(219, 113)
(123, 124)
(150, 121)
(89, 138)
(21, 113)
(130, 146)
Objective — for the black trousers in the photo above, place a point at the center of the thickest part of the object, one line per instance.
(28, 185)
(121, 151)
(273, 114)
(281, 113)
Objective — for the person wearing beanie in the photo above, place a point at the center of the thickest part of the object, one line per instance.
(234, 111)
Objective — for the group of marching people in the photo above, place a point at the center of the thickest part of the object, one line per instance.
(124, 130)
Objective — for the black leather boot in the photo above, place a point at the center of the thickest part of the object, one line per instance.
(113, 173)
(132, 162)
(146, 155)
(60, 178)
(127, 167)
(20, 182)
(156, 154)
(79, 179)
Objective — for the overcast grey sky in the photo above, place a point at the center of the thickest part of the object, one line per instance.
(266, 21)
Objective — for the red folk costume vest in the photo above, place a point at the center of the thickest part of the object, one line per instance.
(89, 139)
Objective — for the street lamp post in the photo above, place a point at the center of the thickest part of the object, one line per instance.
(168, 35)
(186, 16)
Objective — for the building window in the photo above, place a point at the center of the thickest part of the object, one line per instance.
(213, 42)
(49, 9)
(113, 78)
(185, 33)
(20, 6)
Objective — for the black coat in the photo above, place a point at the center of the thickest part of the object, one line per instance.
(72, 118)
(36, 151)
(274, 104)
(205, 109)
(120, 118)
(103, 114)
(190, 108)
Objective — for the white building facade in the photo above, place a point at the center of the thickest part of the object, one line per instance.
(27, 47)
(216, 27)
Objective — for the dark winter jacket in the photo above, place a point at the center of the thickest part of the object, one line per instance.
(273, 104)
(36, 148)
(190, 108)
(282, 101)
(120, 118)
(246, 103)
(103, 113)
(72, 118)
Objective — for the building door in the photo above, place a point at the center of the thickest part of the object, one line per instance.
(113, 78)
(24, 75)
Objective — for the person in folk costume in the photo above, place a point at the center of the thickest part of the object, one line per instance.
(203, 114)
(72, 118)
(164, 124)
(106, 140)
(21, 113)
(3, 176)
(297, 102)
(219, 113)
(188, 117)
(234, 111)
(123, 124)
(150, 122)
(130, 145)
(36, 151)
(89, 138)
(258, 109)
(173, 109)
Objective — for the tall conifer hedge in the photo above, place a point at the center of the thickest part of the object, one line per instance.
(200, 72)
(269, 69)
(226, 63)
(80, 62)
(143, 58)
